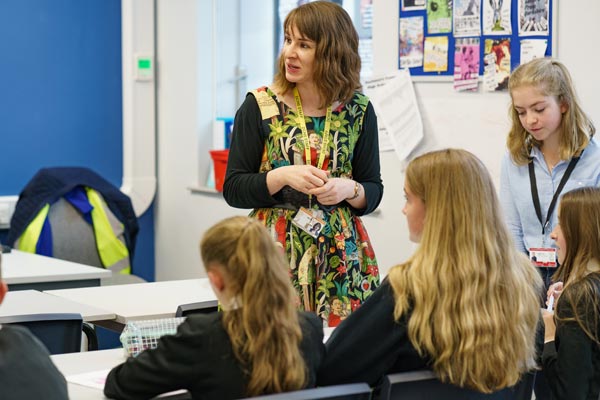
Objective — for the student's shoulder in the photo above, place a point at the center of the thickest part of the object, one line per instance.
(574, 300)
(201, 324)
(310, 320)
(593, 147)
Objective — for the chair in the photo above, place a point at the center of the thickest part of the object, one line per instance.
(352, 391)
(202, 307)
(54, 217)
(60, 333)
(424, 385)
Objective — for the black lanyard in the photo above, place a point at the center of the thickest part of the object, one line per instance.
(536, 197)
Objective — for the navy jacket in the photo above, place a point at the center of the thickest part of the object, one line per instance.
(50, 184)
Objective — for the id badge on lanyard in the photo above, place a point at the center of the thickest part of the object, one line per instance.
(306, 220)
(543, 257)
(546, 256)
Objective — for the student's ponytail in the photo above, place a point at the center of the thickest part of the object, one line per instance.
(262, 321)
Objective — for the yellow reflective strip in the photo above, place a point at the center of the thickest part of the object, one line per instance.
(121, 267)
(31, 235)
(110, 248)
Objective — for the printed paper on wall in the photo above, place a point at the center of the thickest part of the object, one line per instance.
(439, 16)
(466, 64)
(532, 48)
(496, 17)
(435, 58)
(496, 61)
(467, 19)
(533, 17)
(411, 42)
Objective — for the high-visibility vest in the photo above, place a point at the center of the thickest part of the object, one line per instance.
(112, 250)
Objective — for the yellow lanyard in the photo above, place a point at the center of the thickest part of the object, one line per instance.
(305, 140)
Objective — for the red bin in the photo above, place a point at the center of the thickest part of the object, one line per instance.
(219, 158)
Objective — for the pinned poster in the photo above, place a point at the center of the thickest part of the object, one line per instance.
(411, 42)
(466, 64)
(533, 17)
(411, 5)
(439, 16)
(393, 97)
(496, 17)
(467, 20)
(532, 48)
(435, 58)
(496, 61)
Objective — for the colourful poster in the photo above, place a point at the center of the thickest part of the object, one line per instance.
(466, 64)
(439, 16)
(411, 42)
(435, 58)
(496, 17)
(496, 61)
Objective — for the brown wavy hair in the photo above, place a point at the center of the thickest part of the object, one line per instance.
(337, 63)
(471, 297)
(265, 330)
(579, 220)
(552, 78)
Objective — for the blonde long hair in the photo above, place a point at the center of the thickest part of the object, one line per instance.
(265, 331)
(552, 78)
(337, 62)
(472, 299)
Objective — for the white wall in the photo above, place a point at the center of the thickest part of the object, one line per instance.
(474, 121)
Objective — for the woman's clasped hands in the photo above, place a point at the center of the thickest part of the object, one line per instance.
(313, 181)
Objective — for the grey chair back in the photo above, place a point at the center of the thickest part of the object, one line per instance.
(352, 391)
(424, 385)
(74, 239)
(201, 307)
(60, 333)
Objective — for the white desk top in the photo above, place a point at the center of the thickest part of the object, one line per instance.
(21, 267)
(24, 302)
(141, 300)
(87, 361)
(93, 363)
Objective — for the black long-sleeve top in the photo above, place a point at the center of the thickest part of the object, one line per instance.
(199, 358)
(246, 187)
(26, 370)
(571, 362)
(370, 344)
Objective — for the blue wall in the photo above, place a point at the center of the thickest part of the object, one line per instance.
(60, 96)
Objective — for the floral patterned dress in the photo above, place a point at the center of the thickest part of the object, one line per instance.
(336, 271)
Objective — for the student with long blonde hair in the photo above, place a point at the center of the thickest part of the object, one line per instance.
(258, 344)
(551, 150)
(466, 304)
(571, 357)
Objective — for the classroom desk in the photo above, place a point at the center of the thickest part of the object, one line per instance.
(22, 271)
(25, 302)
(87, 361)
(140, 301)
(73, 364)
